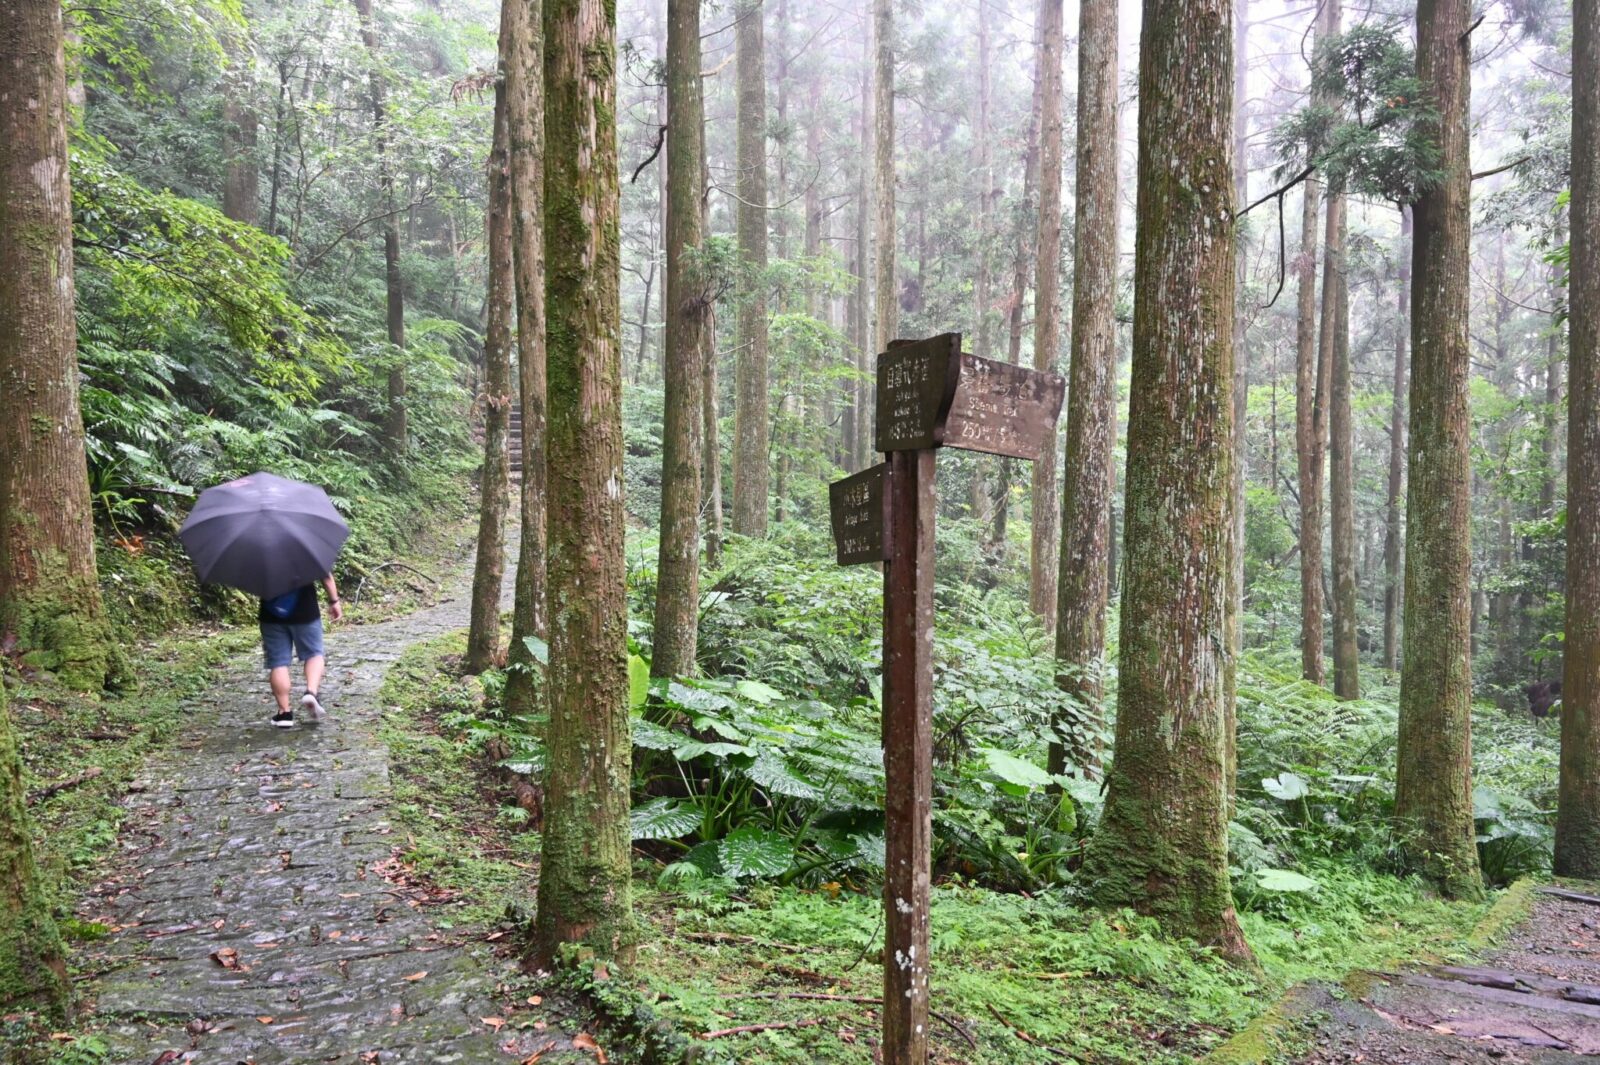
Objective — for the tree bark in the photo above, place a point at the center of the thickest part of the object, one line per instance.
(1305, 439)
(1086, 488)
(241, 184)
(49, 590)
(1162, 844)
(523, 74)
(1334, 383)
(33, 967)
(886, 299)
(712, 398)
(1577, 850)
(1397, 454)
(483, 632)
(1045, 543)
(1241, 396)
(584, 875)
(685, 307)
(394, 422)
(1433, 789)
(752, 426)
(981, 298)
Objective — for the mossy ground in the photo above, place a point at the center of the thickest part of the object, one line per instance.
(1093, 987)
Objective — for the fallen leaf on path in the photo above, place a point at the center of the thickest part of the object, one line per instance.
(417, 976)
(218, 923)
(535, 1000)
(335, 934)
(62, 1037)
(496, 1023)
(227, 957)
(585, 1041)
(166, 1057)
(264, 1020)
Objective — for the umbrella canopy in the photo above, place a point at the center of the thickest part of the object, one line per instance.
(264, 534)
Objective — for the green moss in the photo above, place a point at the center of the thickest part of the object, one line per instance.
(1511, 908)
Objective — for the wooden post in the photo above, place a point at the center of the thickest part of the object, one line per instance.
(908, 754)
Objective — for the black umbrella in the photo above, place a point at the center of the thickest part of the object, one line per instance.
(264, 534)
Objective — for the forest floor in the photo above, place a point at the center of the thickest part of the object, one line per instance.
(260, 908)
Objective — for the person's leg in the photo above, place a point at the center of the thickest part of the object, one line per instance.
(279, 678)
(314, 669)
(277, 647)
(308, 642)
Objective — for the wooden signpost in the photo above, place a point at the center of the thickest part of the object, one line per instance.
(930, 395)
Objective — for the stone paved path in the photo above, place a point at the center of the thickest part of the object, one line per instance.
(1535, 1000)
(261, 919)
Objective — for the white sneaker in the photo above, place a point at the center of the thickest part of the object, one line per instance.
(308, 702)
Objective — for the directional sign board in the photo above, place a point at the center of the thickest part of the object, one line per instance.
(858, 516)
(932, 394)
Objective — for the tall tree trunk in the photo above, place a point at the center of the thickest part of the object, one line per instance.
(49, 590)
(1306, 450)
(885, 298)
(711, 396)
(241, 184)
(1341, 434)
(583, 880)
(394, 422)
(685, 308)
(1578, 817)
(751, 422)
(1045, 544)
(864, 339)
(1086, 488)
(1170, 743)
(1241, 394)
(1433, 787)
(523, 72)
(1397, 454)
(981, 298)
(483, 633)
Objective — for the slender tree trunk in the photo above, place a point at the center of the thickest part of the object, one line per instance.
(981, 297)
(1162, 844)
(394, 422)
(1306, 450)
(865, 342)
(1241, 393)
(1341, 431)
(49, 591)
(1578, 818)
(1397, 454)
(1086, 489)
(711, 396)
(583, 879)
(483, 634)
(523, 73)
(1433, 787)
(1045, 542)
(751, 421)
(885, 298)
(685, 309)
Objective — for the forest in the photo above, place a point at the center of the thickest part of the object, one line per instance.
(960, 531)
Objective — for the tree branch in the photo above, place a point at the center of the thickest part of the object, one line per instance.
(661, 139)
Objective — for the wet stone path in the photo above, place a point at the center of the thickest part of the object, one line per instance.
(262, 915)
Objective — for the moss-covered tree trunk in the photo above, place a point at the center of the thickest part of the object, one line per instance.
(1578, 818)
(483, 633)
(1045, 544)
(685, 310)
(49, 593)
(522, 58)
(1162, 845)
(583, 878)
(33, 970)
(1307, 453)
(752, 428)
(1086, 494)
(1397, 453)
(711, 399)
(394, 421)
(1335, 356)
(1433, 787)
(241, 179)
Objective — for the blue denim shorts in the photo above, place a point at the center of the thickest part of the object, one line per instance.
(281, 641)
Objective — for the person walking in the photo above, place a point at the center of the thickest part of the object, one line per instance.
(291, 627)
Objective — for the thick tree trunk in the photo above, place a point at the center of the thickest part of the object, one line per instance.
(1397, 454)
(394, 422)
(1086, 488)
(886, 300)
(483, 634)
(685, 309)
(241, 184)
(33, 968)
(583, 879)
(1045, 544)
(49, 592)
(1162, 844)
(1305, 438)
(1341, 435)
(1433, 788)
(751, 422)
(1578, 818)
(523, 72)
